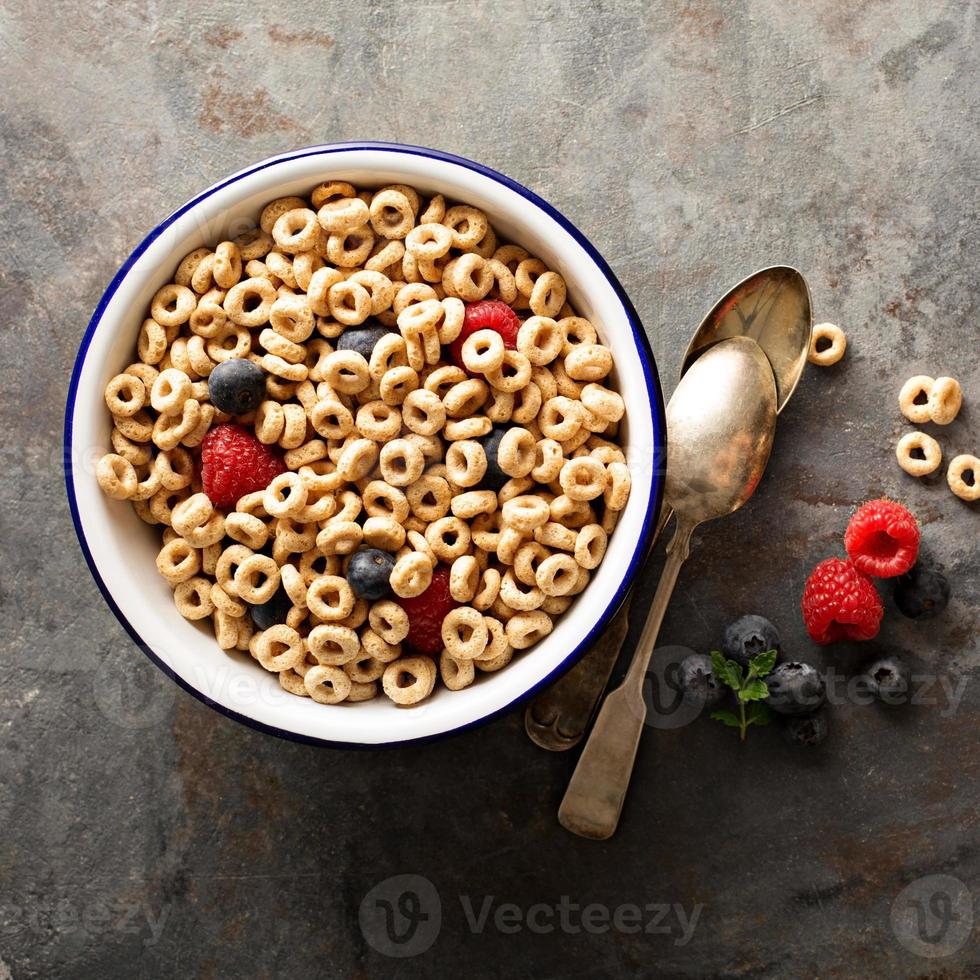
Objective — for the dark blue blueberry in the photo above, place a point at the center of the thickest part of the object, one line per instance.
(495, 477)
(369, 573)
(697, 680)
(748, 636)
(807, 729)
(887, 679)
(236, 386)
(361, 339)
(795, 689)
(921, 592)
(267, 614)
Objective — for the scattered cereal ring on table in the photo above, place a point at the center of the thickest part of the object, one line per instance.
(380, 444)
(827, 344)
(913, 399)
(918, 454)
(963, 477)
(945, 400)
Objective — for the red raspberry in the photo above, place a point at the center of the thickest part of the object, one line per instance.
(234, 463)
(426, 613)
(488, 314)
(882, 539)
(840, 603)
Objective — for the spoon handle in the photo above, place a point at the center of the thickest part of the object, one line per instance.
(595, 794)
(557, 718)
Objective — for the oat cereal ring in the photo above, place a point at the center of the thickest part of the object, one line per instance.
(351, 248)
(918, 454)
(945, 400)
(297, 230)
(209, 318)
(527, 273)
(378, 422)
(448, 538)
(382, 500)
(913, 399)
(172, 305)
(423, 412)
(226, 604)
(256, 579)
(963, 477)
(270, 422)
(525, 513)
(483, 351)
(513, 374)
(583, 478)
(389, 621)
(473, 502)
(197, 520)
(402, 462)
(384, 533)
(827, 344)
(548, 295)
(434, 211)
(290, 316)
(343, 214)
(465, 398)
(293, 426)
(429, 240)
(340, 538)
(588, 362)
(468, 277)
(521, 596)
(293, 584)
(409, 679)
(560, 418)
(330, 597)
(285, 496)
(274, 209)
(540, 340)
(590, 546)
(169, 392)
(346, 371)
(327, 685)
(464, 578)
(318, 291)
(526, 628)
(125, 395)
(333, 646)
(364, 669)
(130, 451)
(193, 598)
(379, 287)
(248, 303)
(548, 461)
(117, 477)
(557, 575)
(464, 633)
(618, 488)
(253, 243)
(330, 418)
(389, 352)
(227, 267)
(604, 404)
(178, 561)
(466, 462)
(467, 224)
(380, 649)
(292, 682)
(392, 215)
(247, 529)
(384, 255)
(411, 575)
(429, 497)
(487, 590)
(455, 674)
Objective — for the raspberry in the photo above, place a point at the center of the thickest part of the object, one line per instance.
(840, 603)
(234, 463)
(488, 314)
(426, 613)
(882, 539)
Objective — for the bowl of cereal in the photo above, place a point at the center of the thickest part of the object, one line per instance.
(362, 444)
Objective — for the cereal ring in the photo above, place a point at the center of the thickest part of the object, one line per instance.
(411, 575)
(557, 575)
(125, 395)
(382, 500)
(525, 512)
(945, 400)
(378, 422)
(963, 477)
(193, 598)
(423, 412)
(285, 496)
(389, 621)
(448, 538)
(913, 399)
(402, 462)
(297, 230)
(327, 685)
(330, 597)
(466, 462)
(467, 505)
(172, 305)
(350, 302)
(827, 344)
(588, 362)
(513, 374)
(456, 674)
(247, 529)
(343, 214)
(464, 633)
(197, 520)
(350, 248)
(483, 350)
(583, 478)
(292, 318)
(392, 215)
(540, 340)
(347, 372)
(618, 487)
(429, 497)
(340, 537)
(333, 646)
(547, 297)
(169, 392)
(465, 398)
(604, 404)
(248, 303)
(256, 579)
(464, 578)
(116, 476)
(178, 561)
(430, 240)
(467, 224)
(918, 454)
(409, 679)
(525, 628)
(468, 277)
(590, 546)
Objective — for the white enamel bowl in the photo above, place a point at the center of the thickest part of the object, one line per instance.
(120, 549)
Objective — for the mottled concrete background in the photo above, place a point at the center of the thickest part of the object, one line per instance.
(146, 836)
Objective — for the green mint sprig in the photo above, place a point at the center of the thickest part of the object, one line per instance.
(750, 690)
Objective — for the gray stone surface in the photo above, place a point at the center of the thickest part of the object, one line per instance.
(146, 836)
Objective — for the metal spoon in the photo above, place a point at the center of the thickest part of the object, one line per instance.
(720, 427)
(773, 307)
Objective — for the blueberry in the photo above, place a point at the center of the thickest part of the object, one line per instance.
(807, 729)
(922, 592)
(236, 386)
(748, 636)
(369, 573)
(795, 688)
(361, 339)
(887, 679)
(697, 681)
(495, 477)
(267, 614)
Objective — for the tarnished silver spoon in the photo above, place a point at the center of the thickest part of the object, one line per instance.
(772, 307)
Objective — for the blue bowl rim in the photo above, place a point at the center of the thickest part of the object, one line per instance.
(651, 376)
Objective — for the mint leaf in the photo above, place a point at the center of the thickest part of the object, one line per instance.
(762, 664)
(735, 670)
(719, 667)
(753, 690)
(759, 714)
(726, 718)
